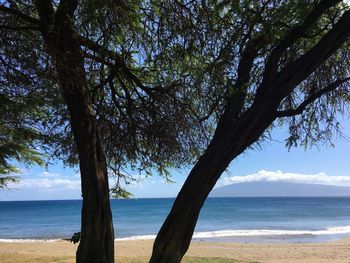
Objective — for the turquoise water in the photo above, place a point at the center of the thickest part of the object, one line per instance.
(242, 219)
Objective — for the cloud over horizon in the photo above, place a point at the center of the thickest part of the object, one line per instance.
(49, 184)
(56, 183)
(49, 174)
(279, 176)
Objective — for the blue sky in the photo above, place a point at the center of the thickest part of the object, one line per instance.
(325, 165)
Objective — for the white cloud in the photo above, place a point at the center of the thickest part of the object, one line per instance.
(48, 184)
(141, 183)
(274, 176)
(48, 174)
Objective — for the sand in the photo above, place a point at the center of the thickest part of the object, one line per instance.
(139, 251)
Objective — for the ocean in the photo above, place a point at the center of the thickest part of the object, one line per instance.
(246, 219)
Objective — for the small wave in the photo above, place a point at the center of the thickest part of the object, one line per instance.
(254, 232)
(220, 233)
(269, 232)
(143, 237)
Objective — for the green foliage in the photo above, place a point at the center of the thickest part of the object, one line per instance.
(75, 238)
(148, 127)
(118, 192)
(18, 137)
(202, 43)
(161, 73)
(5, 180)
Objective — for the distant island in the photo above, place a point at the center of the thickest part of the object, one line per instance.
(279, 189)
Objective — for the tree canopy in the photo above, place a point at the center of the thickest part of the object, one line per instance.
(19, 136)
(231, 49)
(103, 102)
(265, 64)
(147, 117)
(160, 73)
(158, 84)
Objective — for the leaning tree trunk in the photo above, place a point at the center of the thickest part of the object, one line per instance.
(176, 233)
(97, 235)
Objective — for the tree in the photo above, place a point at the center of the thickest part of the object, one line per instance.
(142, 83)
(102, 106)
(275, 63)
(18, 136)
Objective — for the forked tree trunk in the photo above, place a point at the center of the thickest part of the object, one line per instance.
(176, 233)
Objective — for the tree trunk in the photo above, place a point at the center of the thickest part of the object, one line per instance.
(176, 233)
(97, 235)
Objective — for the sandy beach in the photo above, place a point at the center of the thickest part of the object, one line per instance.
(139, 251)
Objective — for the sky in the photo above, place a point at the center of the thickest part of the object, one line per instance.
(322, 165)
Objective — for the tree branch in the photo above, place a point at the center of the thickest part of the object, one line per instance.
(97, 48)
(296, 71)
(235, 100)
(98, 59)
(119, 62)
(104, 82)
(313, 97)
(294, 35)
(19, 14)
(65, 8)
(212, 109)
(46, 13)
(19, 28)
(116, 58)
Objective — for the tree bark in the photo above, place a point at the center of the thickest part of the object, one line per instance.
(97, 234)
(97, 237)
(175, 235)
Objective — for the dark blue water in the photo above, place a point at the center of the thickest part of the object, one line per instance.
(298, 218)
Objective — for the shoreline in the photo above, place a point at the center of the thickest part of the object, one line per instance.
(287, 239)
(140, 250)
(230, 236)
